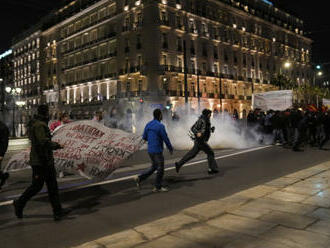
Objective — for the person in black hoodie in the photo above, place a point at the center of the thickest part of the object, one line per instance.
(4, 139)
(200, 133)
(42, 163)
(326, 127)
(300, 133)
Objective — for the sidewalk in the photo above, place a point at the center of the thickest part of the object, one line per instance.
(290, 212)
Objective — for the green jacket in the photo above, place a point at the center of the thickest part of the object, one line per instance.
(41, 145)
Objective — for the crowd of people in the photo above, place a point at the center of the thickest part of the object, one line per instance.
(292, 128)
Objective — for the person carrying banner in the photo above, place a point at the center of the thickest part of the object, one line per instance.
(4, 139)
(42, 163)
(201, 132)
(155, 134)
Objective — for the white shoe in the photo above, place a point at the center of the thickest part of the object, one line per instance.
(162, 189)
(137, 182)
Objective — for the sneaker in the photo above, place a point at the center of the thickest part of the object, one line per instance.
(18, 210)
(3, 178)
(177, 167)
(61, 214)
(61, 174)
(162, 189)
(210, 171)
(137, 182)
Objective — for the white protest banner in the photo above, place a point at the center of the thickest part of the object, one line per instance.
(326, 102)
(90, 149)
(275, 100)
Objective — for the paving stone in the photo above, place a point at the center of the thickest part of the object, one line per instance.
(206, 210)
(291, 207)
(308, 184)
(296, 238)
(301, 190)
(288, 219)
(282, 182)
(322, 226)
(208, 236)
(170, 241)
(128, 238)
(318, 200)
(253, 243)
(250, 211)
(258, 191)
(287, 196)
(165, 225)
(321, 213)
(215, 208)
(90, 245)
(324, 193)
(241, 224)
(303, 174)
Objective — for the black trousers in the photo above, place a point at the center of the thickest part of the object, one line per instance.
(200, 146)
(40, 175)
(157, 160)
(325, 139)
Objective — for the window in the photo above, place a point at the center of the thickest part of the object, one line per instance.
(164, 59)
(164, 41)
(180, 63)
(139, 61)
(179, 44)
(138, 42)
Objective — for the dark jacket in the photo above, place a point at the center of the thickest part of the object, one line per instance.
(4, 138)
(203, 126)
(156, 135)
(41, 145)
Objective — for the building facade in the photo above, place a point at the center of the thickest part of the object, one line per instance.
(213, 53)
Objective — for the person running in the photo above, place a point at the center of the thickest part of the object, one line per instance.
(201, 132)
(42, 163)
(155, 134)
(4, 139)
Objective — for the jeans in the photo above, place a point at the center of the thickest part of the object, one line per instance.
(40, 175)
(157, 160)
(200, 146)
(278, 135)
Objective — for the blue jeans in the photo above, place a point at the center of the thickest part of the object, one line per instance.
(157, 160)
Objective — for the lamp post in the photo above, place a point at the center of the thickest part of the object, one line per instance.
(13, 92)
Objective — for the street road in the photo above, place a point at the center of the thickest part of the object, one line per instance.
(116, 205)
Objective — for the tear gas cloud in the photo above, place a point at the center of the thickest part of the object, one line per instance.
(228, 132)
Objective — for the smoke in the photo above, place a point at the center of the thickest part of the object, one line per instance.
(229, 133)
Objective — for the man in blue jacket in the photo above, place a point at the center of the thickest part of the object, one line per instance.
(155, 134)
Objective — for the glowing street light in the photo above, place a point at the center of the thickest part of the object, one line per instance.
(320, 73)
(287, 64)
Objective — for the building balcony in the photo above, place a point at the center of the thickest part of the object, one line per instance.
(164, 22)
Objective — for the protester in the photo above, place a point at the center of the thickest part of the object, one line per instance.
(326, 129)
(113, 121)
(155, 134)
(42, 163)
(301, 130)
(4, 139)
(63, 119)
(98, 117)
(201, 132)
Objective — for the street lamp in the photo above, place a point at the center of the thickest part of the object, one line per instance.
(14, 92)
(287, 65)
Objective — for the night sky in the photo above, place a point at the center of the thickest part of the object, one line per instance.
(17, 15)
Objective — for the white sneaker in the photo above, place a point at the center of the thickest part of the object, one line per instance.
(162, 189)
(137, 182)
